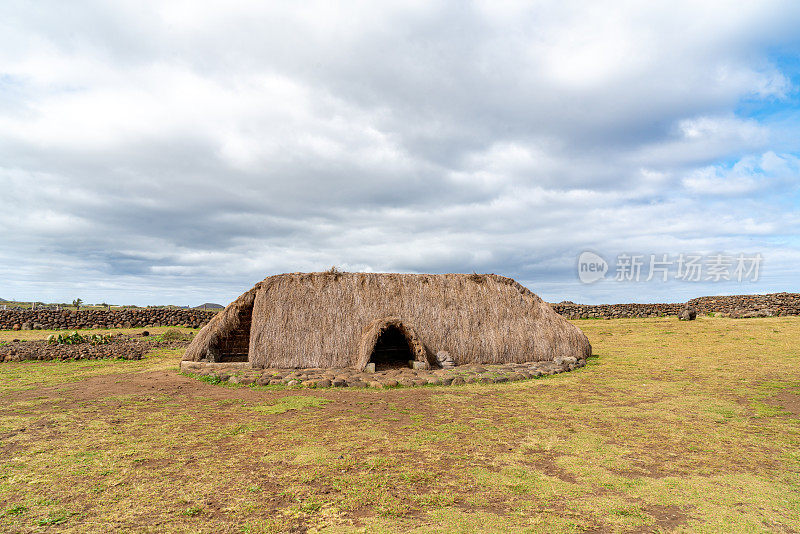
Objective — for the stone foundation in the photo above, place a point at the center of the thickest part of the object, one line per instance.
(242, 373)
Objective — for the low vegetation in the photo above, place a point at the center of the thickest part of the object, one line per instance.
(175, 334)
(671, 426)
(76, 339)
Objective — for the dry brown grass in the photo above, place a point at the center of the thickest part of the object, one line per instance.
(674, 426)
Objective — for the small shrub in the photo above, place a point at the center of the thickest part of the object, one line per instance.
(173, 334)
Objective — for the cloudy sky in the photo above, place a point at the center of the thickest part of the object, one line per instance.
(155, 152)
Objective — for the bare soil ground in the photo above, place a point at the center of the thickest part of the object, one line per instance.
(670, 427)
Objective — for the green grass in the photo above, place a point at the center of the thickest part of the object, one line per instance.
(673, 426)
(293, 402)
(14, 510)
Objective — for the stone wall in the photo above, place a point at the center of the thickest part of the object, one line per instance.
(750, 305)
(734, 306)
(615, 311)
(47, 319)
(121, 347)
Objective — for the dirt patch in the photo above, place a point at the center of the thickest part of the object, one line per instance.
(171, 384)
(786, 400)
(641, 468)
(546, 463)
(668, 517)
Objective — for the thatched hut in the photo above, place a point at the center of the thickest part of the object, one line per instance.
(336, 320)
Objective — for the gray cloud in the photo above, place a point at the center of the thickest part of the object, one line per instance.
(173, 153)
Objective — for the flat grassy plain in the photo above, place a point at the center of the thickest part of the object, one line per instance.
(672, 426)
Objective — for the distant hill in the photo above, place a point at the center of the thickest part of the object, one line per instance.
(4, 300)
(210, 306)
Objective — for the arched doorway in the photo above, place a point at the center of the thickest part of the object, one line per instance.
(390, 343)
(391, 350)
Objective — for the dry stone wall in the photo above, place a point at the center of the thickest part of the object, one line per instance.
(774, 304)
(121, 347)
(750, 305)
(737, 306)
(46, 319)
(616, 311)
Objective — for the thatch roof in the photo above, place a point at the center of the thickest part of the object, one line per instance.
(333, 319)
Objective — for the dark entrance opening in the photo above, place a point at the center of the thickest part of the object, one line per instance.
(391, 350)
(235, 347)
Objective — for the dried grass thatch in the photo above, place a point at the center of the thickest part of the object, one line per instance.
(332, 319)
(212, 339)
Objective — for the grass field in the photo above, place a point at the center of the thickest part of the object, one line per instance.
(672, 426)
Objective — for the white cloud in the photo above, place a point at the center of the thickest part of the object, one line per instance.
(769, 171)
(180, 146)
